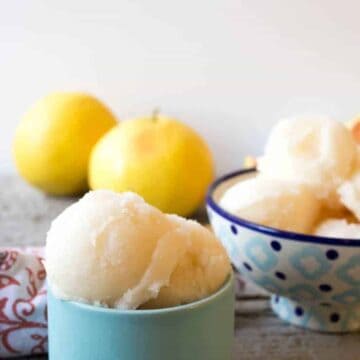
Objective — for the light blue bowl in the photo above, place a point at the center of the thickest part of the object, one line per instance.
(315, 281)
(202, 330)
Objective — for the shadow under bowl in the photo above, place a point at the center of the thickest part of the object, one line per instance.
(314, 281)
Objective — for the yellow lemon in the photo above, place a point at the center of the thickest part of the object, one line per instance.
(161, 159)
(53, 141)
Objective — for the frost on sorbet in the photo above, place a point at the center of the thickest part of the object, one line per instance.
(316, 151)
(275, 203)
(115, 250)
(200, 271)
(339, 228)
(349, 193)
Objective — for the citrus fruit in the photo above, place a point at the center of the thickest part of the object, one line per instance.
(160, 158)
(53, 141)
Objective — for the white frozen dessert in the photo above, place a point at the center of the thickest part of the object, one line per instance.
(319, 152)
(339, 228)
(199, 273)
(275, 203)
(115, 250)
(349, 193)
(309, 174)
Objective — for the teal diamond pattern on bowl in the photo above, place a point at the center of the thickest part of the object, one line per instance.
(310, 262)
(314, 319)
(352, 319)
(284, 306)
(269, 284)
(260, 253)
(349, 297)
(350, 272)
(303, 292)
(297, 314)
(227, 239)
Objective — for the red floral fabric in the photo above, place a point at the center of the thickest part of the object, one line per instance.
(23, 316)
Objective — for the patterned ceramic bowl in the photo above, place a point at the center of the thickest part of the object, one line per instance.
(314, 281)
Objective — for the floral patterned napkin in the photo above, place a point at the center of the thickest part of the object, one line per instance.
(23, 316)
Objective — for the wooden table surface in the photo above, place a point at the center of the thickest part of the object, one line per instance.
(25, 215)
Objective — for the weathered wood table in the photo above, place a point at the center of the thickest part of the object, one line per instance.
(25, 216)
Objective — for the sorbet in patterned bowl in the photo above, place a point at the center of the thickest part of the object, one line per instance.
(314, 281)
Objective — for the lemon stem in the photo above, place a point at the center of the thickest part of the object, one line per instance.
(155, 114)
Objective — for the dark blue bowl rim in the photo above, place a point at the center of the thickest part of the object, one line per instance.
(287, 235)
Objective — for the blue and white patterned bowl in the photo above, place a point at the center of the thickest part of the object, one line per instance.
(314, 281)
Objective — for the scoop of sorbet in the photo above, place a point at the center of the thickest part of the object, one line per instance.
(339, 228)
(116, 250)
(349, 193)
(275, 203)
(316, 151)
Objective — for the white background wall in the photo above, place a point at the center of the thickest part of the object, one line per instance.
(230, 68)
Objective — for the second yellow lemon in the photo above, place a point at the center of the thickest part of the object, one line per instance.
(160, 158)
(53, 141)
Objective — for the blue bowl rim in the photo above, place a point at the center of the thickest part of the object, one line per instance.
(287, 235)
